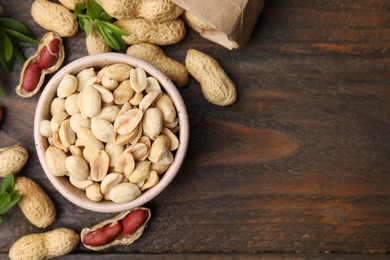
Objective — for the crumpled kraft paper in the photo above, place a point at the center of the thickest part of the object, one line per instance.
(232, 21)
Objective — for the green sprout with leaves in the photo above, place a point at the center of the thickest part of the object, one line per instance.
(8, 195)
(96, 16)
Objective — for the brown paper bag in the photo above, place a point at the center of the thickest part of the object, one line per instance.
(232, 21)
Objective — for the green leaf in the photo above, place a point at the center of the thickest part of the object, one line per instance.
(87, 27)
(103, 16)
(122, 44)
(4, 198)
(8, 183)
(111, 41)
(93, 9)
(1, 9)
(115, 28)
(2, 219)
(8, 195)
(8, 48)
(15, 199)
(17, 53)
(13, 24)
(78, 8)
(20, 36)
(82, 22)
(8, 65)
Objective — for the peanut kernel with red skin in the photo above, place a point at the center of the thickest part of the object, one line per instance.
(134, 220)
(103, 236)
(49, 54)
(31, 77)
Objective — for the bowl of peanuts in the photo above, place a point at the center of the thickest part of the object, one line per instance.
(111, 132)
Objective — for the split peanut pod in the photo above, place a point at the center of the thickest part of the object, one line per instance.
(123, 229)
(48, 59)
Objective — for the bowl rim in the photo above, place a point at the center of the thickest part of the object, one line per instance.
(99, 60)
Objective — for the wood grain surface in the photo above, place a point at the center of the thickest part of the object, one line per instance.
(297, 168)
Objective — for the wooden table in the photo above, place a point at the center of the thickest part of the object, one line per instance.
(298, 167)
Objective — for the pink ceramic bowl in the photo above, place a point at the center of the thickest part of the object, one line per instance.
(62, 184)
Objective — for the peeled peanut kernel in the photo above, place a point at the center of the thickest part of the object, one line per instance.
(136, 99)
(152, 85)
(123, 192)
(138, 150)
(125, 139)
(140, 184)
(126, 107)
(152, 123)
(118, 72)
(77, 167)
(67, 86)
(87, 154)
(91, 102)
(114, 151)
(151, 181)
(108, 113)
(55, 160)
(105, 94)
(146, 141)
(67, 135)
(159, 152)
(50, 140)
(109, 84)
(80, 184)
(159, 168)
(99, 163)
(57, 106)
(93, 192)
(149, 99)
(127, 122)
(125, 164)
(78, 121)
(165, 104)
(138, 79)
(110, 181)
(83, 77)
(76, 150)
(57, 120)
(174, 140)
(58, 143)
(93, 80)
(103, 130)
(86, 138)
(45, 129)
(137, 136)
(173, 126)
(123, 93)
(71, 104)
(140, 172)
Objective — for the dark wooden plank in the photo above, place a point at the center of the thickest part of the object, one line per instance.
(208, 256)
(299, 164)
